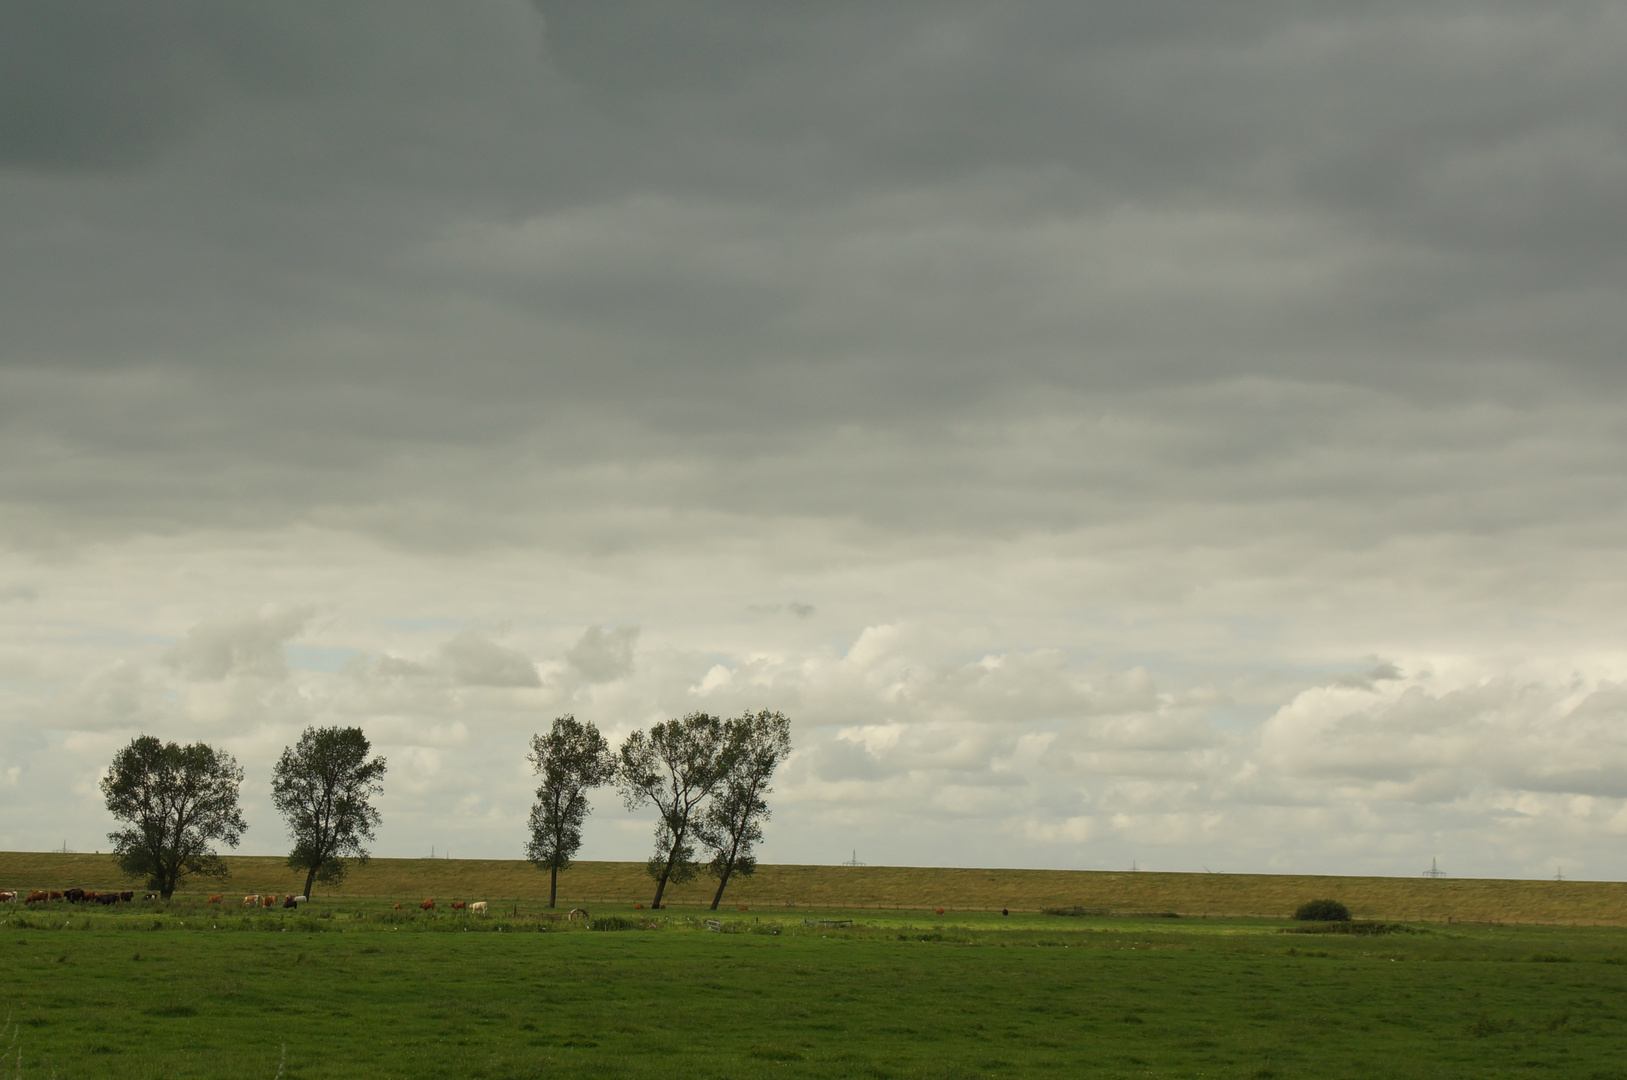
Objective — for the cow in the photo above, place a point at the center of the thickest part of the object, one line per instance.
(107, 899)
(459, 905)
(74, 896)
(89, 896)
(428, 904)
(290, 902)
(36, 897)
(56, 894)
(397, 906)
(215, 899)
(269, 900)
(8, 896)
(152, 896)
(478, 907)
(299, 899)
(129, 897)
(250, 901)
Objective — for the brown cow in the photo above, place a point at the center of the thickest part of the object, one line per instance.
(459, 905)
(270, 899)
(397, 906)
(428, 904)
(215, 899)
(36, 896)
(56, 894)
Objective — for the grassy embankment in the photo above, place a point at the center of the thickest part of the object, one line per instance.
(512, 881)
(211, 993)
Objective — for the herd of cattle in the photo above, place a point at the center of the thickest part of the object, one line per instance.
(74, 896)
(81, 896)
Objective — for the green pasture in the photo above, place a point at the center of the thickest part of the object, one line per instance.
(357, 989)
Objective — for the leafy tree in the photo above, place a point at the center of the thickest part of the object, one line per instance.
(324, 785)
(733, 821)
(676, 766)
(178, 801)
(571, 758)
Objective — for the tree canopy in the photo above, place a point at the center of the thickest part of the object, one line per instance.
(571, 759)
(178, 802)
(676, 766)
(324, 785)
(754, 746)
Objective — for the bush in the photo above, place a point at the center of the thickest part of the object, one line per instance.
(1322, 911)
(1356, 929)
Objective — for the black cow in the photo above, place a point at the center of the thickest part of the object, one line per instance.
(127, 896)
(107, 899)
(74, 896)
(290, 903)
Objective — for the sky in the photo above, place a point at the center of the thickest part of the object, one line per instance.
(1158, 433)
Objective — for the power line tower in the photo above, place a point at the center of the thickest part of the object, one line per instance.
(1559, 873)
(1434, 871)
(854, 861)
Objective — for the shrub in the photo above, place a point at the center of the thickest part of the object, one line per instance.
(1322, 911)
(1357, 929)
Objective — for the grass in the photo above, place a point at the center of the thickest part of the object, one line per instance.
(348, 988)
(882, 887)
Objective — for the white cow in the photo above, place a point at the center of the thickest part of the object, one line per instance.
(478, 907)
(250, 901)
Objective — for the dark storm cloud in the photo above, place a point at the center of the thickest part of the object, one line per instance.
(942, 266)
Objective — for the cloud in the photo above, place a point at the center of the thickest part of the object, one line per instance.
(245, 647)
(475, 660)
(602, 655)
(1197, 428)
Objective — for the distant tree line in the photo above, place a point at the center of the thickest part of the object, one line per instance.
(708, 779)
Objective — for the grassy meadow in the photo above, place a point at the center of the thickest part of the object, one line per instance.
(516, 882)
(353, 988)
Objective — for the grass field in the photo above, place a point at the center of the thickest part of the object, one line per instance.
(351, 988)
(516, 882)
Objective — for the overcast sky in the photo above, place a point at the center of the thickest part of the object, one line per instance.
(1177, 433)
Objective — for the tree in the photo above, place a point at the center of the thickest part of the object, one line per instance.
(324, 785)
(571, 758)
(733, 821)
(676, 766)
(178, 801)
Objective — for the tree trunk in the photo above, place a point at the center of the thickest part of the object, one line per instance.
(310, 878)
(723, 878)
(722, 883)
(553, 883)
(666, 872)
